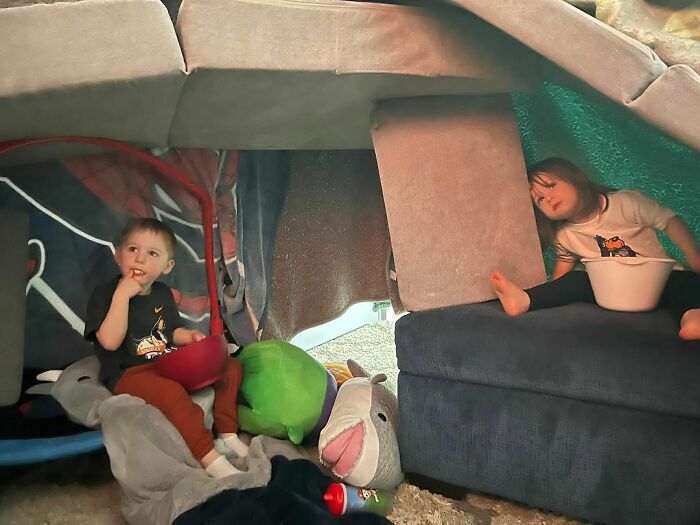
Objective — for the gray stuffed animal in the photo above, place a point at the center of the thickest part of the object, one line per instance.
(359, 441)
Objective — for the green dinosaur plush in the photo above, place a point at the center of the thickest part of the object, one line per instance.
(288, 393)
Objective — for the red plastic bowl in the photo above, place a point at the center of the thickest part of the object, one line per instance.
(195, 365)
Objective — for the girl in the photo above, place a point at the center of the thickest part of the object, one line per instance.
(585, 219)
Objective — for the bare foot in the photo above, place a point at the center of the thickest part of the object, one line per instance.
(690, 325)
(514, 300)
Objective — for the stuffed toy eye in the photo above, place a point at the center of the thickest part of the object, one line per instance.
(381, 416)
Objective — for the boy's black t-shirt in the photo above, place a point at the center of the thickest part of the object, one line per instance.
(152, 319)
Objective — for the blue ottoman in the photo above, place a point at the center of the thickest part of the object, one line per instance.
(577, 410)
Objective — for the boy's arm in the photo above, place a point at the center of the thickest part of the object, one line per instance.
(181, 335)
(112, 331)
(679, 232)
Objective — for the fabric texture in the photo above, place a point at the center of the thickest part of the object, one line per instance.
(294, 496)
(593, 462)
(617, 66)
(14, 230)
(56, 81)
(456, 163)
(625, 228)
(335, 59)
(152, 319)
(171, 398)
(261, 185)
(331, 244)
(577, 410)
(159, 477)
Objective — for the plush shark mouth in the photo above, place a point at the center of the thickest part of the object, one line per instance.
(343, 451)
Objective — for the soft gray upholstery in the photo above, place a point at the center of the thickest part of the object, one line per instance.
(673, 99)
(300, 74)
(14, 232)
(110, 68)
(305, 75)
(611, 62)
(456, 195)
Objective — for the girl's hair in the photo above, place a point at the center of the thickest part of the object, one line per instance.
(152, 225)
(588, 191)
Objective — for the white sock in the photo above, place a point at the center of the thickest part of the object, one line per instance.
(234, 443)
(220, 468)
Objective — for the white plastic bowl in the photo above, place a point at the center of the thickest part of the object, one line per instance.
(628, 284)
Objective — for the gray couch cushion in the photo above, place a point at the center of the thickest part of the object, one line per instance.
(454, 185)
(292, 74)
(613, 63)
(670, 100)
(110, 68)
(14, 231)
(578, 351)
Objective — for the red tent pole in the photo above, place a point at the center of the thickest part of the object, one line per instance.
(216, 324)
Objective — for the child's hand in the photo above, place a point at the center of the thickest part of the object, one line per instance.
(196, 336)
(128, 286)
(185, 336)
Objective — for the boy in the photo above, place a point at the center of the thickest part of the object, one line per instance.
(131, 320)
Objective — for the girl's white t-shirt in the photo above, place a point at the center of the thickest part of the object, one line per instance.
(627, 228)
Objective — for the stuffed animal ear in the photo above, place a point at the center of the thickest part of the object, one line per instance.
(356, 370)
(378, 378)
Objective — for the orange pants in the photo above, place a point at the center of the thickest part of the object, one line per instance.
(171, 398)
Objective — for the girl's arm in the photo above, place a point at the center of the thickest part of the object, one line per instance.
(561, 268)
(679, 232)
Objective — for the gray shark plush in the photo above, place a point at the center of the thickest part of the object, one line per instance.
(359, 441)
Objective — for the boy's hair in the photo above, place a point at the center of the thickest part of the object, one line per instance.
(152, 225)
(588, 190)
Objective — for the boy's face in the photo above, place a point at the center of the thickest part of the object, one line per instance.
(144, 256)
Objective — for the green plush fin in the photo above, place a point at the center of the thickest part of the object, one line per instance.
(296, 434)
(255, 423)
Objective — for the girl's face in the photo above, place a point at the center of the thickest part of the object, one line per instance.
(557, 199)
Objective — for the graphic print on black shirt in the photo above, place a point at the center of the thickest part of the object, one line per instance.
(614, 247)
(152, 319)
(154, 343)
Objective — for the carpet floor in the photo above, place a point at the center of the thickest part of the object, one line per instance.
(81, 489)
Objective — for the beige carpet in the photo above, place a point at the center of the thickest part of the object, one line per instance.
(81, 490)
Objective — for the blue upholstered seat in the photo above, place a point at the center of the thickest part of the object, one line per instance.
(578, 410)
